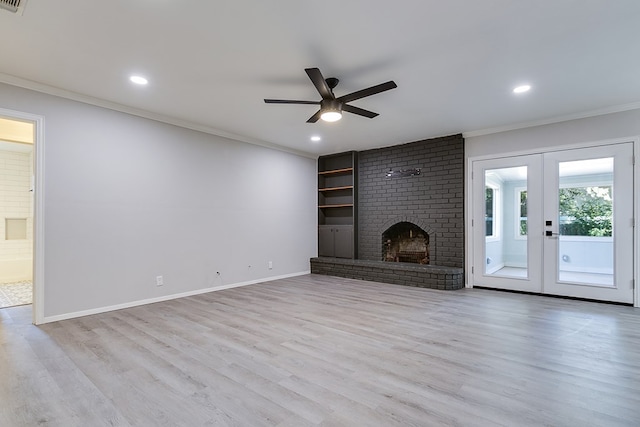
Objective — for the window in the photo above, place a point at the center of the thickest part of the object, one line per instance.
(586, 211)
(490, 204)
(585, 199)
(521, 212)
(492, 213)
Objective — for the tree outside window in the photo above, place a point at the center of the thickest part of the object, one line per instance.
(488, 212)
(522, 218)
(586, 211)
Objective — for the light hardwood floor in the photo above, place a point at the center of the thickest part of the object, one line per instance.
(316, 350)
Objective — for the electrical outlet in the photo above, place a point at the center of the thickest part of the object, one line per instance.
(270, 265)
(159, 281)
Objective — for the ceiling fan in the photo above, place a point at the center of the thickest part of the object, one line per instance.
(331, 108)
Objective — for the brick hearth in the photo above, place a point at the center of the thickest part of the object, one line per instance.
(398, 273)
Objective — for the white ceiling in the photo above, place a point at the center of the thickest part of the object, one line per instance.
(211, 63)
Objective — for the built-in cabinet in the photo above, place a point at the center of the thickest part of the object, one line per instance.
(335, 241)
(337, 205)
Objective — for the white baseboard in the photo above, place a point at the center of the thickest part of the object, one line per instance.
(494, 269)
(596, 270)
(73, 315)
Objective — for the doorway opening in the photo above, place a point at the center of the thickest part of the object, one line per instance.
(17, 141)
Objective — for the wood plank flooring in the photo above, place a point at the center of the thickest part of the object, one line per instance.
(324, 351)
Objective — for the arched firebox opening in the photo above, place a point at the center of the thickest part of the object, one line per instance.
(405, 242)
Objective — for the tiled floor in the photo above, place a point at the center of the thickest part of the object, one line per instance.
(17, 293)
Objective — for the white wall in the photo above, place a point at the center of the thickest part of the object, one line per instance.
(515, 248)
(586, 254)
(128, 199)
(494, 256)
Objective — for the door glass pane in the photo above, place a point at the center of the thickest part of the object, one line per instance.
(506, 222)
(585, 222)
(489, 203)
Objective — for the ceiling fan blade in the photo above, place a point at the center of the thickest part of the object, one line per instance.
(319, 82)
(359, 111)
(287, 101)
(368, 91)
(315, 117)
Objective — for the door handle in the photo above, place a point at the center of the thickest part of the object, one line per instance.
(550, 233)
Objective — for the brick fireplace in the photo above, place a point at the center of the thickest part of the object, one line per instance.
(432, 200)
(410, 216)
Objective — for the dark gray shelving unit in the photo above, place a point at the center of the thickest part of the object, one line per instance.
(337, 205)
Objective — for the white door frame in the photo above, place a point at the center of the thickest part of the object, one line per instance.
(38, 210)
(469, 244)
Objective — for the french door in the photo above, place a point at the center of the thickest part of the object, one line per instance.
(558, 223)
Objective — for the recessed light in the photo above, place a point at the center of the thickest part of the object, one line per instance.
(522, 89)
(316, 138)
(139, 80)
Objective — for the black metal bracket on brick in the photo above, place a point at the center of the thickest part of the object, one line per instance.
(402, 173)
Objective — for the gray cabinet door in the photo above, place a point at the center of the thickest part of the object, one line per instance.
(325, 241)
(335, 241)
(343, 241)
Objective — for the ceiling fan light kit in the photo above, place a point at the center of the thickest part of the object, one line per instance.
(331, 116)
(331, 108)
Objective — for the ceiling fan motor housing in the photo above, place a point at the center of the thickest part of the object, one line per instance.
(331, 105)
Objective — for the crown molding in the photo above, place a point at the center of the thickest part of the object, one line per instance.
(86, 99)
(552, 120)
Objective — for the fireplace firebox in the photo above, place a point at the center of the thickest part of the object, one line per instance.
(405, 242)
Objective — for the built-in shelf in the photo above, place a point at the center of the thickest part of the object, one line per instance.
(336, 171)
(343, 205)
(337, 210)
(344, 187)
